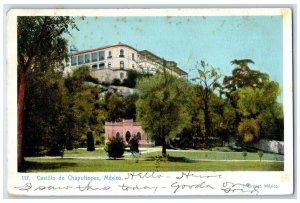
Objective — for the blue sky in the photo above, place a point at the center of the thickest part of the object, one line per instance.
(187, 39)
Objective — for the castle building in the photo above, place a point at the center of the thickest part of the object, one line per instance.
(112, 62)
(126, 130)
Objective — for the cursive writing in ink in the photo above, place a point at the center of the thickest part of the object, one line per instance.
(25, 187)
(89, 187)
(137, 187)
(191, 175)
(28, 186)
(178, 186)
(141, 175)
(228, 187)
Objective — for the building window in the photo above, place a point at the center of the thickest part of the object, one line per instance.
(94, 56)
(121, 53)
(133, 56)
(101, 65)
(73, 60)
(122, 65)
(94, 67)
(109, 55)
(117, 135)
(109, 65)
(127, 136)
(121, 76)
(138, 136)
(101, 55)
(80, 59)
(87, 58)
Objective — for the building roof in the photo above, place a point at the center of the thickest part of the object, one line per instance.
(101, 48)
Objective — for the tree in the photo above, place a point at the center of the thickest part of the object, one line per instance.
(40, 46)
(115, 147)
(253, 96)
(115, 108)
(90, 145)
(134, 144)
(129, 106)
(46, 116)
(242, 76)
(163, 106)
(207, 82)
(85, 106)
(132, 76)
(260, 104)
(248, 130)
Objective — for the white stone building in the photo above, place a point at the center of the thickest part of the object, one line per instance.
(112, 62)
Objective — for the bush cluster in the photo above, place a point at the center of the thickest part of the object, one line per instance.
(115, 147)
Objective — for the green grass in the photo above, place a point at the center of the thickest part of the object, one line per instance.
(194, 155)
(82, 161)
(83, 165)
(81, 152)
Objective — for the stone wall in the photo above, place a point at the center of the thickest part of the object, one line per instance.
(273, 146)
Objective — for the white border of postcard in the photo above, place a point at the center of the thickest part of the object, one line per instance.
(165, 183)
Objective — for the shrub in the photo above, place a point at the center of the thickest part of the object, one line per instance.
(90, 146)
(260, 154)
(134, 144)
(115, 147)
(245, 154)
(248, 130)
(132, 76)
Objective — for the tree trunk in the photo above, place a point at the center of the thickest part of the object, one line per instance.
(164, 147)
(206, 123)
(21, 94)
(163, 141)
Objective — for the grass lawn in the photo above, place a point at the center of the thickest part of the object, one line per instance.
(194, 155)
(81, 152)
(82, 161)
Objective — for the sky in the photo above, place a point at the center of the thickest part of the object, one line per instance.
(189, 39)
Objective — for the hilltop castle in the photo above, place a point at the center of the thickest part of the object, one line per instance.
(112, 62)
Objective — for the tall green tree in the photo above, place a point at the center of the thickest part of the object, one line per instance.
(207, 81)
(260, 104)
(40, 46)
(47, 118)
(85, 106)
(242, 76)
(254, 98)
(163, 106)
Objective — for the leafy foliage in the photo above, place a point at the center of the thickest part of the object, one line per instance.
(84, 106)
(163, 106)
(245, 154)
(131, 79)
(90, 146)
(248, 130)
(46, 117)
(260, 154)
(253, 95)
(115, 147)
(207, 82)
(41, 47)
(134, 144)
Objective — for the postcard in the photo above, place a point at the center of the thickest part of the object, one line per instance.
(150, 102)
